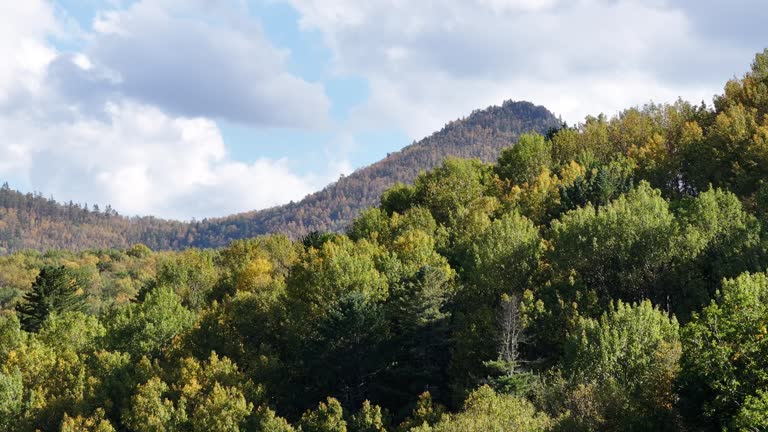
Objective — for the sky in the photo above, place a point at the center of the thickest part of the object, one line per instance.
(189, 109)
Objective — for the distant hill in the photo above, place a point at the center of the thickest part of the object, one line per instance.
(30, 221)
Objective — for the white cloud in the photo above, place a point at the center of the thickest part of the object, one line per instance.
(25, 54)
(143, 161)
(201, 58)
(432, 61)
(517, 5)
(87, 126)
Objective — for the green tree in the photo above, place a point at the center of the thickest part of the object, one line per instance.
(74, 331)
(631, 354)
(11, 335)
(93, 423)
(599, 185)
(397, 198)
(327, 417)
(589, 141)
(503, 257)
(368, 419)
(57, 289)
(721, 240)
(215, 393)
(419, 322)
(522, 162)
(620, 250)
(224, 409)
(148, 327)
(725, 356)
(55, 381)
(751, 90)
(190, 273)
(139, 251)
(251, 328)
(753, 415)
(11, 399)
(349, 350)
(372, 224)
(451, 187)
(275, 253)
(484, 410)
(113, 378)
(267, 421)
(732, 153)
(425, 414)
(323, 276)
(151, 411)
(316, 239)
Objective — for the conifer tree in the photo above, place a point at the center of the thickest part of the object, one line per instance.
(55, 290)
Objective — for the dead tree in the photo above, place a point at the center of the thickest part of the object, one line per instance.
(511, 333)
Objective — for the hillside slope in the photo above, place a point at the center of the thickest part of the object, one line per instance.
(34, 222)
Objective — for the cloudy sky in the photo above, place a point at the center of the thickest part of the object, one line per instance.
(198, 108)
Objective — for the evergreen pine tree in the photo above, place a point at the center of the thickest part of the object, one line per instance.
(54, 291)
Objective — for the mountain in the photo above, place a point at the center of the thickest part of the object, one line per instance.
(30, 221)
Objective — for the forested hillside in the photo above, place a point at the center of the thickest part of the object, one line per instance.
(609, 277)
(33, 222)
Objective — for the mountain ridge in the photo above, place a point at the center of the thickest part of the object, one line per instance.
(29, 221)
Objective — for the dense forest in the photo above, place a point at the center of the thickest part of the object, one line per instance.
(31, 221)
(606, 277)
